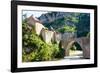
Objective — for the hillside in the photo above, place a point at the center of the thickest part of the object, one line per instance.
(56, 20)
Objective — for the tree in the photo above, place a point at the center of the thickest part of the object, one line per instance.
(67, 28)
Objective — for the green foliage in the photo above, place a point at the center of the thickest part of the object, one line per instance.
(28, 57)
(40, 51)
(76, 46)
(73, 47)
(67, 29)
(56, 23)
(56, 49)
(73, 19)
(60, 54)
(83, 27)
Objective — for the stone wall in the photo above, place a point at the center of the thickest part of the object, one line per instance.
(47, 35)
(56, 37)
(66, 38)
(38, 27)
(86, 47)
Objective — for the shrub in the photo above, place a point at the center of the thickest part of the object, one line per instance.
(43, 51)
(67, 29)
(40, 51)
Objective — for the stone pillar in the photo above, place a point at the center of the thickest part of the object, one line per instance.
(86, 47)
(86, 51)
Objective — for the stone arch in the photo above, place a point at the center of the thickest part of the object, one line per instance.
(84, 42)
(69, 45)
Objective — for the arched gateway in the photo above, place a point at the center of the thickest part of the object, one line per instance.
(83, 42)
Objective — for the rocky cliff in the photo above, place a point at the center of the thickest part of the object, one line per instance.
(56, 20)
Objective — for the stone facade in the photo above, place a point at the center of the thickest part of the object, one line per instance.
(47, 35)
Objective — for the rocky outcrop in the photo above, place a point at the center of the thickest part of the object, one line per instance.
(59, 19)
(51, 16)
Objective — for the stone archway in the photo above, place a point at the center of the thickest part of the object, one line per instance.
(76, 52)
(84, 42)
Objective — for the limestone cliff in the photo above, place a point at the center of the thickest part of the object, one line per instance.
(56, 20)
